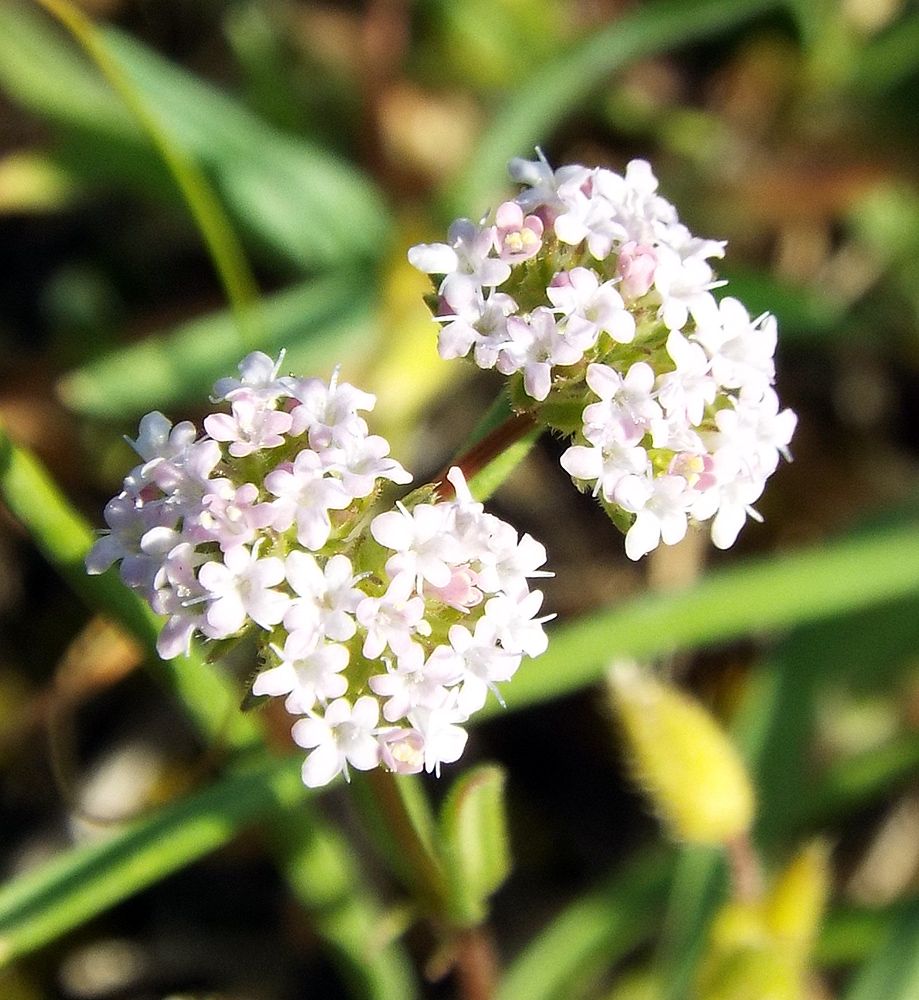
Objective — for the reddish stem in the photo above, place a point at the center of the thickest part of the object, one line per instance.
(746, 870)
(476, 965)
(485, 450)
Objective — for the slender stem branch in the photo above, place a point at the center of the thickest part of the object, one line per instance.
(745, 868)
(401, 840)
(476, 965)
(486, 450)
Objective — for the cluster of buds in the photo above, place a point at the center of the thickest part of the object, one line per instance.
(384, 629)
(597, 302)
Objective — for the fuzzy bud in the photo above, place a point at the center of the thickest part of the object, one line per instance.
(682, 758)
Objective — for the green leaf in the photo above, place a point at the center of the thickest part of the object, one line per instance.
(38, 907)
(892, 972)
(547, 95)
(762, 596)
(300, 201)
(320, 322)
(887, 60)
(592, 933)
(474, 843)
(860, 780)
(696, 893)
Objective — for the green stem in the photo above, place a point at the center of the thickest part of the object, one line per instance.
(399, 820)
(213, 224)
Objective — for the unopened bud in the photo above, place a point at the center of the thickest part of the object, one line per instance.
(795, 905)
(682, 758)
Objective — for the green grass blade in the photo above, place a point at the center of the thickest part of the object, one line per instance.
(763, 596)
(319, 867)
(591, 933)
(35, 909)
(39, 906)
(888, 60)
(297, 200)
(64, 538)
(549, 93)
(315, 206)
(320, 322)
(892, 972)
(698, 888)
(224, 248)
(861, 780)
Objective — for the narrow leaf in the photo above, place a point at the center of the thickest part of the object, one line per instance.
(320, 322)
(593, 932)
(762, 596)
(65, 538)
(298, 200)
(474, 842)
(547, 95)
(892, 972)
(38, 907)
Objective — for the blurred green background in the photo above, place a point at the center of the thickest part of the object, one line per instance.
(182, 181)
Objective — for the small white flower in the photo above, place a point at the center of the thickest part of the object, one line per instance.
(326, 596)
(259, 377)
(392, 620)
(306, 495)
(661, 507)
(343, 736)
(444, 738)
(309, 671)
(534, 347)
(241, 587)
(423, 540)
(590, 308)
(516, 628)
(252, 426)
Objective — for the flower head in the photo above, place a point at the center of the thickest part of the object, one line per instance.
(608, 329)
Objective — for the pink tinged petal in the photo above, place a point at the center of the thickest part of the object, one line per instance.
(673, 527)
(472, 695)
(537, 380)
(402, 750)
(267, 608)
(105, 551)
(364, 753)
(509, 215)
(366, 712)
(175, 637)
(392, 529)
(221, 427)
(311, 732)
(622, 327)
(225, 615)
(727, 524)
(303, 574)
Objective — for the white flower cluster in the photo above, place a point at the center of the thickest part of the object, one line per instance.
(589, 291)
(269, 519)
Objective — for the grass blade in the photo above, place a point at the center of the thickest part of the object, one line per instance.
(765, 595)
(320, 322)
(549, 93)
